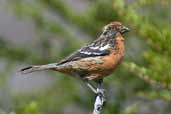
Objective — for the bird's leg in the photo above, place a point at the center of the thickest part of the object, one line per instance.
(90, 86)
(87, 82)
(97, 90)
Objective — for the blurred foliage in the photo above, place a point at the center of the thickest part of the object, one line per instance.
(148, 61)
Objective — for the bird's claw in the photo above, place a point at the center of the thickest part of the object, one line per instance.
(101, 93)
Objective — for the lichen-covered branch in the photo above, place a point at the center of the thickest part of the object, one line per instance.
(99, 102)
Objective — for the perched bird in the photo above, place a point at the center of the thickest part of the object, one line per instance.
(93, 61)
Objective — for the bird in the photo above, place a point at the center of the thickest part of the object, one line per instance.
(93, 61)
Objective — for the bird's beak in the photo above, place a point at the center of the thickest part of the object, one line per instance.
(124, 29)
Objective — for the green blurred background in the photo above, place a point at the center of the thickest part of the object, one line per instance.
(45, 31)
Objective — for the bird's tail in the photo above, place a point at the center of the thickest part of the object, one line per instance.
(34, 68)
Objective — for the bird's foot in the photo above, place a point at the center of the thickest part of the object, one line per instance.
(101, 93)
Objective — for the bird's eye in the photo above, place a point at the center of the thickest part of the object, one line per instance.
(109, 28)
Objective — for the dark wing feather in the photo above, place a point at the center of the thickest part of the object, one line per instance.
(93, 49)
(84, 53)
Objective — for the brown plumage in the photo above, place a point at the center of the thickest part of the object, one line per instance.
(95, 60)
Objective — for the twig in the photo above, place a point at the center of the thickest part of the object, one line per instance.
(100, 99)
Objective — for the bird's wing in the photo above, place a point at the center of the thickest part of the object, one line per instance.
(85, 52)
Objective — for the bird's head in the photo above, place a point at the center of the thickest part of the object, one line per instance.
(115, 27)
